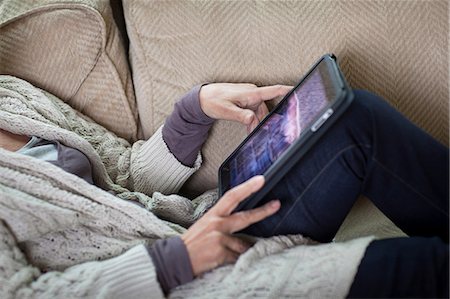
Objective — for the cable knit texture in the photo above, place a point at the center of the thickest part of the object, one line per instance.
(62, 237)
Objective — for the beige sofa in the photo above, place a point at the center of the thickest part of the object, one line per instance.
(125, 66)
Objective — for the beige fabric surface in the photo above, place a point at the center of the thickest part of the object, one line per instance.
(396, 49)
(73, 50)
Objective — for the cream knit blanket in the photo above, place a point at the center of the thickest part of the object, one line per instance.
(61, 237)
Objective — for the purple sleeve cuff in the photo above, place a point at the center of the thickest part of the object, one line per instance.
(172, 263)
(186, 129)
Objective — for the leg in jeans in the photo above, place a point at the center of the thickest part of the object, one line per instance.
(372, 150)
(415, 267)
(375, 151)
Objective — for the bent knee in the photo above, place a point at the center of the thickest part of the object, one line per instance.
(370, 100)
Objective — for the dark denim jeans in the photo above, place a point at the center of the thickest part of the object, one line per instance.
(375, 151)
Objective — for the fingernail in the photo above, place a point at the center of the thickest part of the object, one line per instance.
(275, 204)
(258, 177)
(248, 117)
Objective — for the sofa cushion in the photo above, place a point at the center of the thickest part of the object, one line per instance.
(397, 49)
(73, 50)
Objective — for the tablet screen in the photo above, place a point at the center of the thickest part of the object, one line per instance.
(286, 124)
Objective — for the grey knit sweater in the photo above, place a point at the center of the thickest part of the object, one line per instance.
(62, 237)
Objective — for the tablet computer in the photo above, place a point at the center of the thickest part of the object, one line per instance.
(289, 130)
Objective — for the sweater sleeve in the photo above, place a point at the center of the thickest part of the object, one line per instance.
(172, 154)
(129, 275)
(186, 129)
(172, 263)
(155, 169)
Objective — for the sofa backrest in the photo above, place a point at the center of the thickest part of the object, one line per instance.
(397, 49)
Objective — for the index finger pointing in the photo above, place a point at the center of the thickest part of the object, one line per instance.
(234, 196)
(266, 93)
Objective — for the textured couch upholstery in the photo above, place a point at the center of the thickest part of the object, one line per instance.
(72, 49)
(398, 49)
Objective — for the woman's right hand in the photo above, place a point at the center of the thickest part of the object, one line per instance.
(241, 102)
(209, 241)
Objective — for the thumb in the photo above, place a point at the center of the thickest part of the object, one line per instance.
(252, 125)
(247, 117)
(244, 116)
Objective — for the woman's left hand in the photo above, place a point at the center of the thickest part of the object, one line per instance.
(243, 103)
(210, 241)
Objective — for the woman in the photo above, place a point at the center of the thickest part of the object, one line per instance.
(117, 167)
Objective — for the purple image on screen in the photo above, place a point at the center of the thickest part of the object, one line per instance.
(280, 130)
